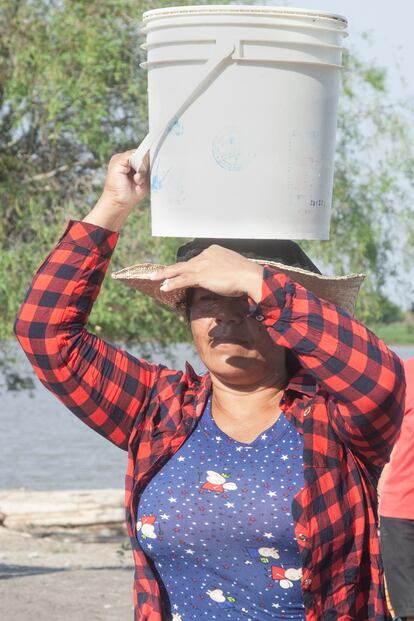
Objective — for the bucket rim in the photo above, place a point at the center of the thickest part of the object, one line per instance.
(212, 9)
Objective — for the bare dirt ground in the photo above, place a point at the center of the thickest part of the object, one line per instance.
(66, 575)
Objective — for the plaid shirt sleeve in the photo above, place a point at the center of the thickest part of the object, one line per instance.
(362, 378)
(103, 385)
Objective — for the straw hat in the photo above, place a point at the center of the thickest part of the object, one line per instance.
(283, 255)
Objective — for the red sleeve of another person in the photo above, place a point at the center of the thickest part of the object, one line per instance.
(397, 496)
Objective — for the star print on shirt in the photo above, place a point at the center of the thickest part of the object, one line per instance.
(268, 535)
(271, 494)
(172, 499)
(181, 458)
(284, 457)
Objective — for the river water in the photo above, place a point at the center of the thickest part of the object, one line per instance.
(44, 447)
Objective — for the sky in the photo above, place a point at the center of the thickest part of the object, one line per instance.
(391, 35)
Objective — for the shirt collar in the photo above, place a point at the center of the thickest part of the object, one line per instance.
(303, 382)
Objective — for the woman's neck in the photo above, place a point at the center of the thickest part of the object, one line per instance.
(244, 412)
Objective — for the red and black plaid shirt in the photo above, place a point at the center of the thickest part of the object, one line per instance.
(346, 400)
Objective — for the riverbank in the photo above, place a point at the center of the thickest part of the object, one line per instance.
(67, 577)
(69, 572)
(396, 333)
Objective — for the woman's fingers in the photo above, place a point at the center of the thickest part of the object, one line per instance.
(145, 163)
(217, 269)
(175, 276)
(140, 179)
(178, 282)
(169, 272)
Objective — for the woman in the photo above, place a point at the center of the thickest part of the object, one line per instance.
(250, 491)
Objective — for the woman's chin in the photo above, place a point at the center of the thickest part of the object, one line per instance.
(235, 364)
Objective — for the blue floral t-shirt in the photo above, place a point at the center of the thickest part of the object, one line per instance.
(216, 521)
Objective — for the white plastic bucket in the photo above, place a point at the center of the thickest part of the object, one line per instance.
(242, 119)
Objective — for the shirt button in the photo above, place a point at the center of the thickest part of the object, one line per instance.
(307, 582)
(259, 317)
(307, 411)
(302, 537)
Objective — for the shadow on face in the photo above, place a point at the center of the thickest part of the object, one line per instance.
(230, 343)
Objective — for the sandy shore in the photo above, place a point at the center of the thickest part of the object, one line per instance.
(82, 573)
(65, 577)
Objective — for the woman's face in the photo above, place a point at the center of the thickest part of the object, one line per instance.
(234, 347)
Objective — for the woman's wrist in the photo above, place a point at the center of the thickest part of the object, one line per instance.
(108, 214)
(254, 282)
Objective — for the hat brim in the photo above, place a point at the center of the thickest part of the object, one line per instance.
(339, 290)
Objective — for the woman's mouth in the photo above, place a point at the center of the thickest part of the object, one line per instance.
(229, 340)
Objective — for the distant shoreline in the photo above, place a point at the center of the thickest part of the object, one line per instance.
(31, 511)
(399, 333)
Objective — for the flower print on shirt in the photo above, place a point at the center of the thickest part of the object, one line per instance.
(146, 526)
(286, 577)
(263, 554)
(217, 482)
(218, 596)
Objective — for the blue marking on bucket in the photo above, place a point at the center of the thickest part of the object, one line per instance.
(157, 179)
(227, 151)
(176, 127)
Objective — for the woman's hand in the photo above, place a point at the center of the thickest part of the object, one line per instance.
(217, 269)
(124, 189)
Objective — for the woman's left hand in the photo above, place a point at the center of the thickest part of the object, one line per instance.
(217, 269)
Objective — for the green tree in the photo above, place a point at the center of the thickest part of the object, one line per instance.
(72, 93)
(389, 312)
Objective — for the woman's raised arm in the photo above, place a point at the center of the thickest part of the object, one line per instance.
(104, 386)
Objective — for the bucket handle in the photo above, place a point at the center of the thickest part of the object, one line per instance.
(220, 59)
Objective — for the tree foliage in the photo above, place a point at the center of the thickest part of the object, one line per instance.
(72, 94)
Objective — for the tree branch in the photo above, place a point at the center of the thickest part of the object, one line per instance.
(59, 169)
